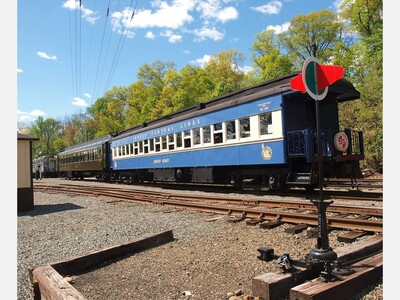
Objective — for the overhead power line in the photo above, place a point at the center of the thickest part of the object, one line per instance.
(119, 48)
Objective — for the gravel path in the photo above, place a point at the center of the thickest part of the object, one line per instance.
(207, 260)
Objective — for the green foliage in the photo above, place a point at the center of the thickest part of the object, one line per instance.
(367, 74)
(322, 27)
(47, 131)
(268, 57)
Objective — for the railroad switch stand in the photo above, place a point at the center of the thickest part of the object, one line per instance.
(327, 270)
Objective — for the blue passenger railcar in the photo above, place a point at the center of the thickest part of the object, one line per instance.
(263, 136)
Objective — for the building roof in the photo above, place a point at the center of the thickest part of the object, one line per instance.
(26, 137)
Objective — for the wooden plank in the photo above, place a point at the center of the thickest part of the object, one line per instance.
(296, 228)
(270, 224)
(351, 236)
(95, 258)
(253, 222)
(53, 286)
(272, 286)
(367, 272)
(359, 249)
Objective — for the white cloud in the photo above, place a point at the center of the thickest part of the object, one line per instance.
(246, 69)
(173, 15)
(336, 4)
(271, 8)
(206, 32)
(172, 38)
(213, 10)
(20, 70)
(87, 14)
(79, 102)
(150, 35)
(46, 56)
(29, 116)
(87, 95)
(37, 113)
(164, 15)
(201, 61)
(279, 28)
(226, 14)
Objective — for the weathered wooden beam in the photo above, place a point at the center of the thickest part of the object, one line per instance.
(53, 286)
(351, 236)
(48, 284)
(83, 262)
(272, 286)
(366, 272)
(270, 224)
(296, 228)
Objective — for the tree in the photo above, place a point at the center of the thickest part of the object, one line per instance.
(268, 58)
(224, 71)
(324, 28)
(47, 131)
(153, 76)
(137, 94)
(109, 111)
(366, 18)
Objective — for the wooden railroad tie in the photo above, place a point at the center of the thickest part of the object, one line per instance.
(367, 272)
(271, 224)
(273, 286)
(296, 228)
(351, 236)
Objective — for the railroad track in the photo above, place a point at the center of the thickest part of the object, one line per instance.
(368, 219)
(336, 191)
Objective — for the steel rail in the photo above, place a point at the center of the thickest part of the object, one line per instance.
(310, 219)
(334, 208)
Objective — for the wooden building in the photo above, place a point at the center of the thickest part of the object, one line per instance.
(24, 172)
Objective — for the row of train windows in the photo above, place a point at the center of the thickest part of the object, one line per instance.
(81, 156)
(217, 133)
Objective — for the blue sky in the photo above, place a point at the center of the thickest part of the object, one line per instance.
(70, 52)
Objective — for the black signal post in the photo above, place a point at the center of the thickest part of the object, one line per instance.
(323, 252)
(322, 258)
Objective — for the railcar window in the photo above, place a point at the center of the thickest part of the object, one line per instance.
(140, 146)
(244, 127)
(265, 123)
(164, 142)
(136, 148)
(130, 149)
(158, 144)
(186, 139)
(230, 130)
(151, 144)
(206, 134)
(146, 146)
(123, 150)
(218, 133)
(196, 136)
(179, 139)
(171, 142)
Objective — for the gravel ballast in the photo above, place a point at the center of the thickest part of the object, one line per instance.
(207, 260)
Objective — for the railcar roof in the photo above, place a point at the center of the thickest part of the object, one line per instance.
(87, 145)
(342, 90)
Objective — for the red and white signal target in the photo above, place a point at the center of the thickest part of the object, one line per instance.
(341, 141)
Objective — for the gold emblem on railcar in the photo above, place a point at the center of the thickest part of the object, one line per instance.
(266, 152)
